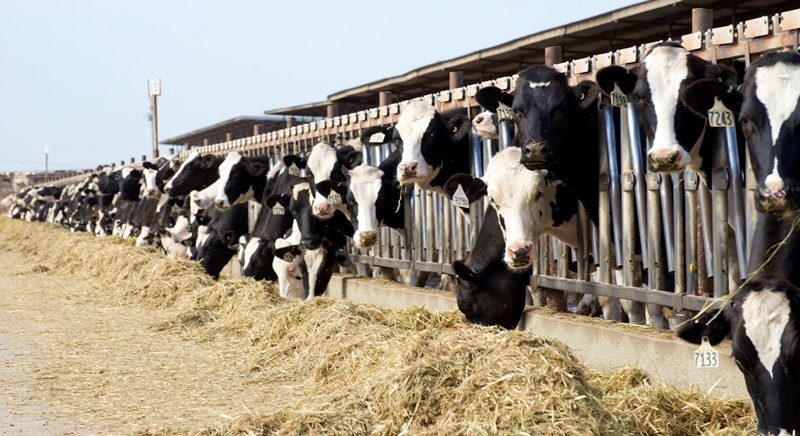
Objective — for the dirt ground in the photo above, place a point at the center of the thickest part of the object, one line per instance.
(51, 362)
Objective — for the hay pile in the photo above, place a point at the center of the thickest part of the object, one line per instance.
(333, 367)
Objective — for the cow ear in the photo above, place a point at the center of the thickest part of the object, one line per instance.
(474, 187)
(699, 96)
(207, 161)
(280, 252)
(612, 75)
(376, 135)
(149, 165)
(724, 74)
(135, 174)
(256, 168)
(459, 126)
(464, 272)
(272, 199)
(489, 97)
(290, 159)
(586, 92)
(350, 158)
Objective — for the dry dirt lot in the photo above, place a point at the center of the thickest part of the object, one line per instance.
(72, 365)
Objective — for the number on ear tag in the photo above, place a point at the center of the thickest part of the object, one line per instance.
(294, 170)
(705, 356)
(288, 257)
(618, 98)
(460, 198)
(504, 112)
(719, 115)
(377, 138)
(334, 198)
(278, 209)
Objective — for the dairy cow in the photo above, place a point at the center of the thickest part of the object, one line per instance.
(677, 134)
(195, 173)
(763, 317)
(433, 145)
(329, 163)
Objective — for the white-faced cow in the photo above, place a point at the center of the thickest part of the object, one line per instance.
(329, 163)
(434, 145)
(763, 318)
(677, 134)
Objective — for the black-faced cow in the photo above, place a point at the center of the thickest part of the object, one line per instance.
(557, 129)
(195, 173)
(218, 244)
(677, 134)
(241, 179)
(762, 317)
(434, 145)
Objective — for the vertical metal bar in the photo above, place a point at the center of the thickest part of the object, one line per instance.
(446, 252)
(609, 165)
(720, 179)
(737, 199)
(631, 266)
(680, 234)
(704, 197)
(506, 133)
(655, 245)
(667, 221)
(640, 177)
(691, 181)
(475, 155)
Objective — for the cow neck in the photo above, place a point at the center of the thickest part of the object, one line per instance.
(580, 169)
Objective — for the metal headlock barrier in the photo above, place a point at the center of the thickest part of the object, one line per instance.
(665, 228)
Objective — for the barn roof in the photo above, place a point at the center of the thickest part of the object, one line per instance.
(640, 23)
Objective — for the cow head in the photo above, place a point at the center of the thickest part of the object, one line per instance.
(326, 162)
(675, 132)
(369, 203)
(287, 261)
(487, 292)
(762, 320)
(426, 138)
(195, 173)
(239, 178)
(770, 120)
(547, 111)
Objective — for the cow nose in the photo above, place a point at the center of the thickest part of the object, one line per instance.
(408, 169)
(367, 238)
(667, 159)
(534, 151)
(323, 210)
(519, 253)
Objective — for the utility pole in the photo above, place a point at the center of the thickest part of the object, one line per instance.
(154, 90)
(46, 153)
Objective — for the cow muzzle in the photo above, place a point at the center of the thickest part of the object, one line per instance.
(407, 170)
(323, 211)
(536, 155)
(365, 239)
(777, 200)
(670, 160)
(518, 255)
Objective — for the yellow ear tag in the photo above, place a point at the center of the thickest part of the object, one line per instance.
(618, 98)
(377, 138)
(705, 356)
(504, 112)
(460, 198)
(278, 209)
(719, 115)
(294, 170)
(334, 198)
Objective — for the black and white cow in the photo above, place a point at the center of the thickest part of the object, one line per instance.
(487, 292)
(434, 145)
(373, 197)
(677, 134)
(762, 318)
(557, 129)
(329, 163)
(195, 173)
(241, 179)
(218, 244)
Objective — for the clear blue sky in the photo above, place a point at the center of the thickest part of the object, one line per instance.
(74, 73)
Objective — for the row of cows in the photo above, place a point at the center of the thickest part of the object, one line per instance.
(313, 204)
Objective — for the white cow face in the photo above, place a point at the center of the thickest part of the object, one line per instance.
(527, 206)
(365, 186)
